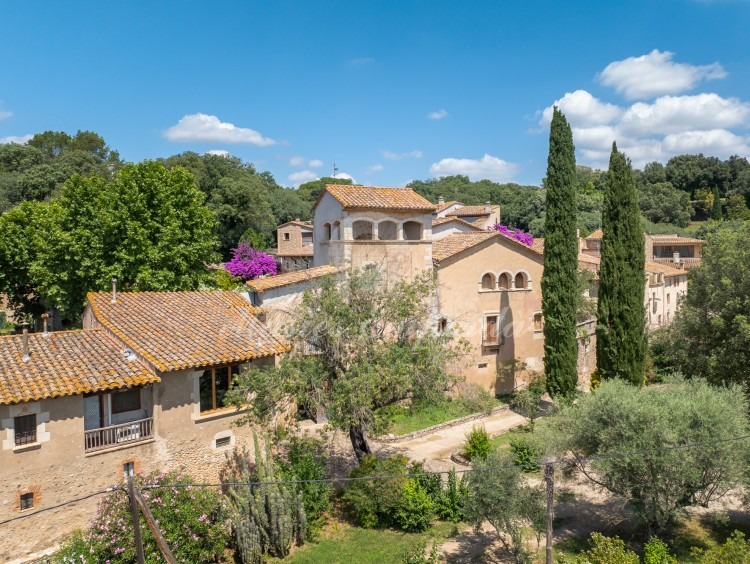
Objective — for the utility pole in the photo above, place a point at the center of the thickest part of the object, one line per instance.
(136, 522)
(549, 479)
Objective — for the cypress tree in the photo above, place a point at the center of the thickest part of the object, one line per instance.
(620, 331)
(560, 277)
(716, 210)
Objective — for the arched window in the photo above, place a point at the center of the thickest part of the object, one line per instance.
(503, 281)
(538, 321)
(387, 230)
(520, 281)
(412, 231)
(362, 230)
(488, 282)
(336, 231)
(326, 231)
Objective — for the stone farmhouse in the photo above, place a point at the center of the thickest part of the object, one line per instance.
(140, 388)
(294, 245)
(481, 216)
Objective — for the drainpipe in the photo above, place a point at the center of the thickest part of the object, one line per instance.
(114, 290)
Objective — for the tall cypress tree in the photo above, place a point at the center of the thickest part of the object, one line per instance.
(716, 211)
(560, 277)
(620, 331)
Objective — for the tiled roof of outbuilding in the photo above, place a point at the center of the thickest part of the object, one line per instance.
(675, 240)
(442, 220)
(465, 211)
(445, 205)
(261, 284)
(180, 330)
(66, 363)
(376, 197)
(664, 269)
(454, 244)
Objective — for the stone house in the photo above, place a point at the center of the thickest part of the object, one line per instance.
(481, 216)
(294, 245)
(140, 388)
(679, 252)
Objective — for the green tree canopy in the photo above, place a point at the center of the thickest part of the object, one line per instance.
(662, 203)
(373, 351)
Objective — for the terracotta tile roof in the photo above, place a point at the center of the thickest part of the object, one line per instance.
(288, 278)
(597, 234)
(301, 251)
(675, 240)
(376, 197)
(443, 220)
(538, 245)
(66, 363)
(454, 244)
(588, 259)
(664, 269)
(180, 330)
(296, 222)
(444, 206)
(471, 211)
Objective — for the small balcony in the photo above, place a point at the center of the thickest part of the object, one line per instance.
(118, 435)
(682, 263)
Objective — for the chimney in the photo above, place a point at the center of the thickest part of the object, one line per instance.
(45, 317)
(26, 356)
(487, 207)
(114, 290)
(441, 200)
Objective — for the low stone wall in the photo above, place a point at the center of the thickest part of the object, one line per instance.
(440, 426)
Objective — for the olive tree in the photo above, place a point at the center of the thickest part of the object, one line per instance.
(371, 347)
(657, 447)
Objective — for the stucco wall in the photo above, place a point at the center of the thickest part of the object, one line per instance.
(667, 297)
(464, 304)
(58, 469)
(449, 228)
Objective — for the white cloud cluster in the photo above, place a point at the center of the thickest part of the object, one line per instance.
(207, 128)
(315, 163)
(440, 114)
(302, 176)
(488, 167)
(20, 140)
(401, 156)
(302, 161)
(656, 74)
(5, 114)
(219, 152)
(658, 129)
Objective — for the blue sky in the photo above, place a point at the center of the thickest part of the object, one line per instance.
(389, 91)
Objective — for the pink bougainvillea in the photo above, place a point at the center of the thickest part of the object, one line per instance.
(516, 234)
(248, 264)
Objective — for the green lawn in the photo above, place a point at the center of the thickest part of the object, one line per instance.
(401, 420)
(503, 441)
(344, 544)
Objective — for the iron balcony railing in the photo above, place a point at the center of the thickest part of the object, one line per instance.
(130, 432)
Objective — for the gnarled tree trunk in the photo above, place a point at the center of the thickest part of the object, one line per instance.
(358, 436)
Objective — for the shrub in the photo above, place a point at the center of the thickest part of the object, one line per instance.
(657, 552)
(475, 399)
(449, 504)
(604, 550)
(527, 453)
(416, 508)
(307, 459)
(374, 502)
(192, 520)
(736, 550)
(268, 517)
(477, 445)
(416, 554)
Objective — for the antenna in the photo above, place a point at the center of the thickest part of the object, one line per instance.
(335, 170)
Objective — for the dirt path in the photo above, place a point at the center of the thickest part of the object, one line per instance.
(436, 448)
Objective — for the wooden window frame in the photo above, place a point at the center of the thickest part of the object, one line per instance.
(118, 411)
(230, 375)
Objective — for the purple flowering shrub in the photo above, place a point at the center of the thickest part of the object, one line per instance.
(249, 264)
(517, 234)
(193, 521)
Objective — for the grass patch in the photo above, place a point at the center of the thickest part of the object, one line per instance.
(344, 544)
(502, 441)
(400, 420)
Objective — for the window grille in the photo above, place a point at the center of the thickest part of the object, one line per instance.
(25, 429)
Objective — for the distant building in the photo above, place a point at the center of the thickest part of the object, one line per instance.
(679, 252)
(294, 246)
(481, 216)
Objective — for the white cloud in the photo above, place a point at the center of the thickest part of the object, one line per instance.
(582, 109)
(206, 128)
(297, 161)
(672, 114)
(345, 175)
(315, 163)
(715, 142)
(488, 167)
(400, 156)
(302, 176)
(440, 114)
(20, 140)
(375, 168)
(219, 152)
(656, 74)
(5, 114)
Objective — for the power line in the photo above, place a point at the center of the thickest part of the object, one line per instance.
(386, 476)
